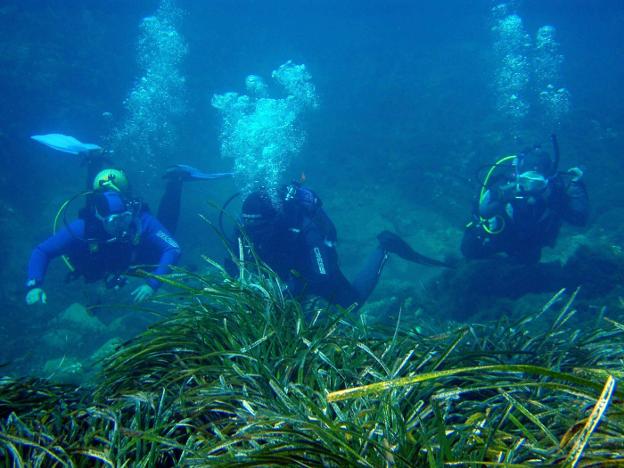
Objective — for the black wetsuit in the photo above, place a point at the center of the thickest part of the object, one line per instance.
(522, 226)
(300, 247)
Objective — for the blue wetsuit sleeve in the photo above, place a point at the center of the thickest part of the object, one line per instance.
(58, 244)
(159, 239)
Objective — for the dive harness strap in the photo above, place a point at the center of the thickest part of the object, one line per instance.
(485, 222)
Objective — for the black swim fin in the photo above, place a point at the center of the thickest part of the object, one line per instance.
(392, 243)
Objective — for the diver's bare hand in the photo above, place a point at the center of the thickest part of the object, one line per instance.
(142, 293)
(36, 295)
(576, 173)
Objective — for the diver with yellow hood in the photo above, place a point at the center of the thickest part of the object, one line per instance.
(114, 231)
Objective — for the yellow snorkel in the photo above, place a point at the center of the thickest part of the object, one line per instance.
(59, 215)
(106, 179)
(484, 188)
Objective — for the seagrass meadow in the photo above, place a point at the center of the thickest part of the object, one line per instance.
(237, 374)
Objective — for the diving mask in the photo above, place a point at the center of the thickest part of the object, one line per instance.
(117, 225)
(531, 182)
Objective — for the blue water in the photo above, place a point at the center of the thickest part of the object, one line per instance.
(407, 114)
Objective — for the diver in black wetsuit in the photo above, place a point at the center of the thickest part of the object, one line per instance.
(291, 232)
(523, 210)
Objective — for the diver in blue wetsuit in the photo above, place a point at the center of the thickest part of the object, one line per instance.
(114, 231)
(291, 232)
(104, 176)
(113, 235)
(523, 210)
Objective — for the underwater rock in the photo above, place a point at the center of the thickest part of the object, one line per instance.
(64, 370)
(61, 339)
(596, 269)
(491, 286)
(381, 310)
(117, 325)
(77, 318)
(106, 350)
(93, 365)
(474, 285)
(128, 325)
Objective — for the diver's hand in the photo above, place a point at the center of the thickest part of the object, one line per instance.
(576, 173)
(36, 295)
(142, 293)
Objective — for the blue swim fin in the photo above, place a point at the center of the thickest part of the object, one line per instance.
(185, 172)
(65, 143)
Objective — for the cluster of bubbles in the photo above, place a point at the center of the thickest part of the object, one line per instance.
(512, 75)
(527, 73)
(157, 99)
(555, 101)
(263, 134)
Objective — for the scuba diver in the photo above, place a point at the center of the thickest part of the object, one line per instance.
(114, 231)
(107, 240)
(289, 230)
(522, 205)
